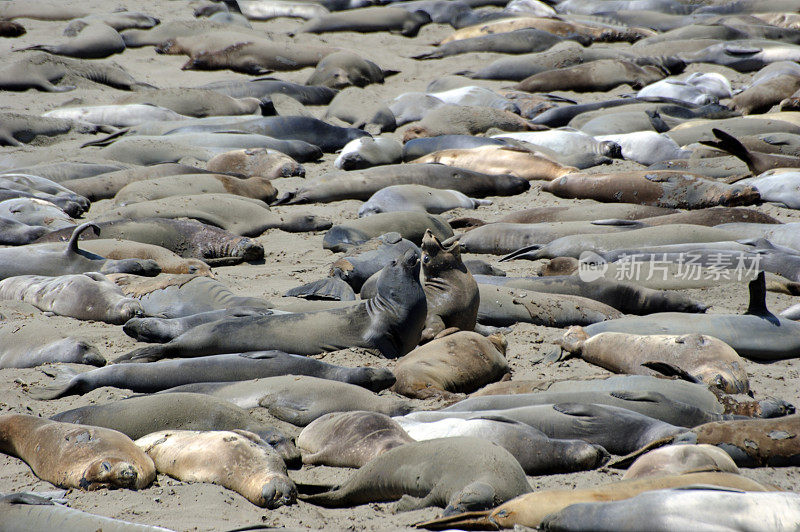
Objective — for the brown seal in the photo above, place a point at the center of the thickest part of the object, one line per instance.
(597, 76)
(238, 460)
(460, 362)
(75, 456)
(260, 162)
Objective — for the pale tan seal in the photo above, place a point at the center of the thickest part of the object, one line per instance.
(238, 460)
(460, 362)
(258, 188)
(75, 456)
(261, 162)
(704, 357)
(349, 439)
(681, 459)
(495, 160)
(168, 261)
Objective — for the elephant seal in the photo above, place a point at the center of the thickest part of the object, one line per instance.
(73, 204)
(532, 509)
(264, 87)
(746, 55)
(168, 261)
(466, 120)
(165, 374)
(95, 40)
(418, 198)
(87, 296)
(597, 76)
(259, 188)
(19, 129)
(450, 290)
(705, 358)
(411, 225)
(14, 233)
(661, 188)
(237, 214)
(500, 160)
(663, 508)
(778, 186)
(524, 40)
(258, 56)
(186, 238)
(26, 511)
(758, 163)
(362, 184)
(290, 398)
(681, 459)
(459, 362)
(34, 211)
(501, 307)
(342, 69)
(241, 462)
(107, 183)
(349, 439)
(367, 151)
(745, 333)
(460, 474)
(25, 345)
(123, 115)
(760, 96)
(161, 330)
(144, 414)
(260, 162)
(369, 19)
(587, 212)
(75, 456)
(392, 323)
(618, 430)
(197, 103)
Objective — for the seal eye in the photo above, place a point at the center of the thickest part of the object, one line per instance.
(106, 466)
(426, 258)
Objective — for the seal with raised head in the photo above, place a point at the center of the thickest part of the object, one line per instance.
(461, 474)
(703, 357)
(460, 362)
(391, 322)
(451, 291)
(75, 456)
(238, 460)
(349, 439)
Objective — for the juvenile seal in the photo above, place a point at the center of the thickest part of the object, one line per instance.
(466, 120)
(342, 69)
(597, 76)
(418, 198)
(462, 474)
(166, 374)
(168, 261)
(144, 414)
(368, 151)
(258, 56)
(450, 290)
(706, 358)
(241, 462)
(259, 188)
(391, 322)
(259, 162)
(412, 225)
(681, 459)
(75, 456)
(25, 345)
(369, 19)
(349, 439)
(88, 296)
(460, 362)
(95, 40)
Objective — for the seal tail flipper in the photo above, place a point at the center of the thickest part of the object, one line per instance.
(151, 353)
(670, 370)
(328, 288)
(758, 296)
(465, 222)
(436, 54)
(623, 462)
(731, 145)
(72, 245)
(105, 141)
(527, 252)
(288, 198)
(465, 521)
(62, 385)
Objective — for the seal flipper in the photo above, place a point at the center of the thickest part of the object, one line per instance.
(328, 288)
(105, 141)
(671, 370)
(465, 521)
(527, 252)
(72, 245)
(731, 145)
(758, 297)
(63, 384)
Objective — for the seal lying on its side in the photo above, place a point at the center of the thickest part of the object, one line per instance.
(462, 474)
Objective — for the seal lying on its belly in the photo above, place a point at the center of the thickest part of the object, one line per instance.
(391, 322)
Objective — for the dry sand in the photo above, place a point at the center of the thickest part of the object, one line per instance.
(292, 259)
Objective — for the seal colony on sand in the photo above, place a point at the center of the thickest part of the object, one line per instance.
(375, 164)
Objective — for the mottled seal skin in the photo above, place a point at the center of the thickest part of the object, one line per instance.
(681, 459)
(661, 188)
(362, 184)
(349, 439)
(706, 358)
(168, 261)
(597, 76)
(75, 456)
(256, 162)
(238, 460)
(412, 225)
(451, 291)
(298, 400)
(26, 346)
(144, 414)
(391, 322)
(186, 238)
(166, 374)
(369, 19)
(531, 509)
(87, 296)
(459, 362)
(460, 474)
(259, 188)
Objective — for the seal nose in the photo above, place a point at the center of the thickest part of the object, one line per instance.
(124, 474)
(278, 492)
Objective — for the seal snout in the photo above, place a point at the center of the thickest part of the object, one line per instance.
(278, 492)
(123, 474)
(129, 308)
